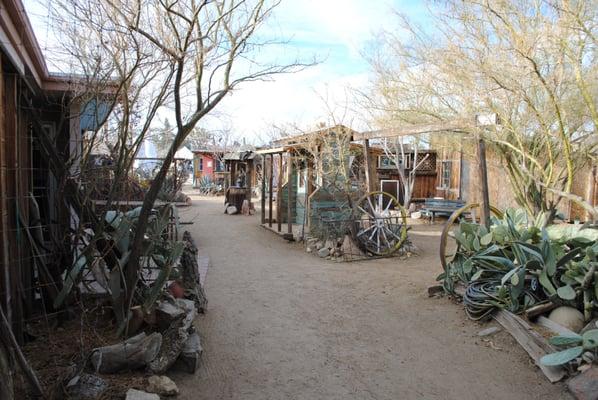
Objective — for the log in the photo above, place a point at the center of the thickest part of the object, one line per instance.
(531, 341)
(175, 338)
(134, 353)
(539, 309)
(191, 281)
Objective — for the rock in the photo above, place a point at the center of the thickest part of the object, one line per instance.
(488, 331)
(175, 338)
(568, 317)
(134, 394)
(416, 215)
(136, 352)
(323, 252)
(308, 249)
(188, 360)
(330, 244)
(162, 385)
(319, 245)
(176, 290)
(167, 313)
(585, 385)
(230, 210)
(86, 387)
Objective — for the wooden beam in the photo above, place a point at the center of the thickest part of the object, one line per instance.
(263, 199)
(289, 193)
(279, 195)
(531, 341)
(368, 165)
(271, 190)
(483, 171)
(458, 125)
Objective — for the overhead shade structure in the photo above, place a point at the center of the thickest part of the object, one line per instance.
(184, 153)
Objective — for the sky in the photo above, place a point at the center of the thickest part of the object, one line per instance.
(335, 32)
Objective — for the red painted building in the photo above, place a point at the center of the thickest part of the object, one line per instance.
(207, 163)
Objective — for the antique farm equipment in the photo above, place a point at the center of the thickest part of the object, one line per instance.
(380, 224)
(466, 210)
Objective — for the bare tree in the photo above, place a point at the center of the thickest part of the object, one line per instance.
(531, 63)
(184, 56)
(395, 151)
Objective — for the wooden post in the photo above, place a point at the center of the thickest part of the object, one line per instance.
(485, 201)
(289, 193)
(368, 165)
(279, 195)
(263, 199)
(271, 190)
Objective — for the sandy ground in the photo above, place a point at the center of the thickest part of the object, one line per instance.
(284, 324)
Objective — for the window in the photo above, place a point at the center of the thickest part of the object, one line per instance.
(391, 162)
(445, 174)
(201, 163)
(210, 164)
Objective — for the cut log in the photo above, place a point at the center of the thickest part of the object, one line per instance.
(136, 352)
(539, 309)
(531, 341)
(192, 282)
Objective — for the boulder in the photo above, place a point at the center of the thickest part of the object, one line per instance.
(230, 210)
(86, 387)
(162, 385)
(188, 360)
(323, 252)
(175, 337)
(134, 394)
(568, 317)
(167, 313)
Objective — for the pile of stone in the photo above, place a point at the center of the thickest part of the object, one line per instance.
(336, 249)
(164, 338)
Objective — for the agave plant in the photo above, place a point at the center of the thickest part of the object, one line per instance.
(581, 343)
(517, 262)
(112, 245)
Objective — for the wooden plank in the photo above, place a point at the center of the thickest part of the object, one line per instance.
(457, 125)
(271, 191)
(368, 165)
(531, 341)
(289, 193)
(485, 203)
(555, 328)
(279, 195)
(263, 199)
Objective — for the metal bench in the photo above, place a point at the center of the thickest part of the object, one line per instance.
(434, 207)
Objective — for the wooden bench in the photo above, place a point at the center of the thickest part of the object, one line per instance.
(434, 207)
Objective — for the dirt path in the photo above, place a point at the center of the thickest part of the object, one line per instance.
(283, 324)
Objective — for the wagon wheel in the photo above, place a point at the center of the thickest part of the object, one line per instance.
(447, 252)
(380, 224)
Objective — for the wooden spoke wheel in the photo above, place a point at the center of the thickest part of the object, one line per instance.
(380, 226)
(448, 249)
